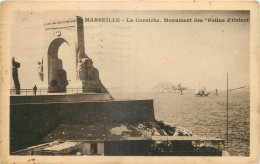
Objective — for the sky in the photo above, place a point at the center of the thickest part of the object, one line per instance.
(142, 55)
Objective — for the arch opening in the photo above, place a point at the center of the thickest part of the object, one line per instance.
(57, 76)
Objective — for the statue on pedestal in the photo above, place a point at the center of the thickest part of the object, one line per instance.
(15, 67)
(40, 70)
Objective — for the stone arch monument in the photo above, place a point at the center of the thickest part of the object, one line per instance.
(83, 73)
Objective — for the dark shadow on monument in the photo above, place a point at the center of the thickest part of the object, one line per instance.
(57, 76)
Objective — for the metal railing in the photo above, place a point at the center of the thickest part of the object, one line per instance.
(30, 92)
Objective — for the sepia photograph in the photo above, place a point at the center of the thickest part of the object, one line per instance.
(130, 82)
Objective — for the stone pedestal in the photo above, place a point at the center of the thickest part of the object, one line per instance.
(92, 86)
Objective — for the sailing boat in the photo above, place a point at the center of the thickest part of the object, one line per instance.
(202, 92)
(216, 93)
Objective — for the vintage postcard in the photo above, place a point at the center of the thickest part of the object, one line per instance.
(129, 82)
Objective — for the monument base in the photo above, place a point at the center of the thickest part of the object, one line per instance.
(92, 86)
(75, 84)
(52, 89)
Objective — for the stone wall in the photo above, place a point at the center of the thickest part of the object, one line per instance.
(31, 122)
(60, 98)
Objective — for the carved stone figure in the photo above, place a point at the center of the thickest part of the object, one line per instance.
(89, 76)
(87, 71)
(40, 70)
(60, 82)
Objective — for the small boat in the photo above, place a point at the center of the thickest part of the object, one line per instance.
(202, 92)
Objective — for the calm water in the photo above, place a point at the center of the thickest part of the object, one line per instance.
(204, 116)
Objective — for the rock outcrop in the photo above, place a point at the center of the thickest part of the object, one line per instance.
(173, 130)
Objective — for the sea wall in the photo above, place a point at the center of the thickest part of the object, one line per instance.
(60, 98)
(31, 122)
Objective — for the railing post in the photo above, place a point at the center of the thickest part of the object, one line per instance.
(227, 110)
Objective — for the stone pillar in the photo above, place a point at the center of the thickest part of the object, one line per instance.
(80, 38)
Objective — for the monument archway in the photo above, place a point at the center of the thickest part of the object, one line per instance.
(86, 76)
(59, 34)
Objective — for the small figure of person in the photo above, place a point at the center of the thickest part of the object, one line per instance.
(35, 90)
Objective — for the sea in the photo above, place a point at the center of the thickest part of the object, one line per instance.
(204, 116)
